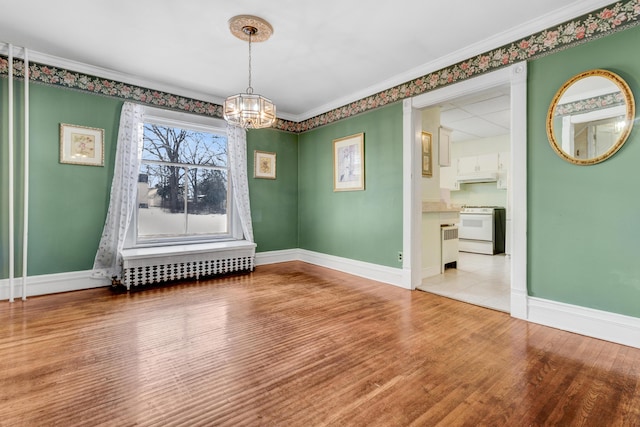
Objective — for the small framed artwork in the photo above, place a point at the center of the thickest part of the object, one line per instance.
(264, 165)
(348, 163)
(81, 145)
(427, 158)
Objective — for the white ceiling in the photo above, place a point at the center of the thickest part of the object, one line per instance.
(322, 55)
(480, 115)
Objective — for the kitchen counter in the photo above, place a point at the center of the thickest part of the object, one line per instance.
(436, 207)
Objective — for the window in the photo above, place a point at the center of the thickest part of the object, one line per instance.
(184, 191)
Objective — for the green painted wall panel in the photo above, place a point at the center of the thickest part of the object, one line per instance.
(360, 225)
(583, 234)
(4, 180)
(68, 203)
(274, 203)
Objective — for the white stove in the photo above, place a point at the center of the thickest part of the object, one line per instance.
(482, 229)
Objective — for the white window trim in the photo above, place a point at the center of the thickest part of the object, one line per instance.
(193, 122)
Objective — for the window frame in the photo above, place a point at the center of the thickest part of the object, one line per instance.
(197, 123)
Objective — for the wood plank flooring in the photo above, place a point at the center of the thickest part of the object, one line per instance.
(297, 345)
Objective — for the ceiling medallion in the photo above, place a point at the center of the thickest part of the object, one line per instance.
(249, 110)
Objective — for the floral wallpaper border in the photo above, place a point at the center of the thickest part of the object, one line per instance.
(599, 23)
(591, 104)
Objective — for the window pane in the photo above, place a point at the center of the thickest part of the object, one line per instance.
(174, 145)
(161, 201)
(207, 202)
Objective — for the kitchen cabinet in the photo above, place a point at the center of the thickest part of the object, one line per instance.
(495, 164)
(487, 162)
(444, 144)
(467, 165)
(474, 164)
(504, 163)
(449, 178)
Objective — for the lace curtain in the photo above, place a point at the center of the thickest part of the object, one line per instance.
(237, 146)
(123, 191)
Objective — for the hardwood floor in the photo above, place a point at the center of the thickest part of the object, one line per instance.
(297, 345)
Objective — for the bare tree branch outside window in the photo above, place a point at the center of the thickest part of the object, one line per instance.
(185, 174)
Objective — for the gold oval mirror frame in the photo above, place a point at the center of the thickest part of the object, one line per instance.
(590, 117)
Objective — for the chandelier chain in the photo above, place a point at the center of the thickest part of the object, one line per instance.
(250, 33)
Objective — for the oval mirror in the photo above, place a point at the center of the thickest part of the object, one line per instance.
(590, 117)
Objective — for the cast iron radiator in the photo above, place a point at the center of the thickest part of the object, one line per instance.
(144, 266)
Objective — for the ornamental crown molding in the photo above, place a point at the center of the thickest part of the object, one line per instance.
(48, 69)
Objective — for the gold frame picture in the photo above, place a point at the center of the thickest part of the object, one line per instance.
(81, 145)
(348, 163)
(427, 155)
(264, 165)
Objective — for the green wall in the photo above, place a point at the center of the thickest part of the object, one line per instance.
(360, 225)
(67, 203)
(583, 231)
(274, 203)
(4, 181)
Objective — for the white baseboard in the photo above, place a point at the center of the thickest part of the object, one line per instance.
(52, 284)
(599, 324)
(274, 257)
(380, 273)
(519, 302)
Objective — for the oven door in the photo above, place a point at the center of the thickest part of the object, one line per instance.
(476, 226)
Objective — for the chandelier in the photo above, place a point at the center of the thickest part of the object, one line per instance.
(249, 110)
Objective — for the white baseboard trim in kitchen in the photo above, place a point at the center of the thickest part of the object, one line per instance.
(52, 284)
(599, 324)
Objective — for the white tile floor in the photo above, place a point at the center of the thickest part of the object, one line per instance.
(479, 279)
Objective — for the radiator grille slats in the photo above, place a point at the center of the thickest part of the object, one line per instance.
(150, 274)
(450, 233)
(159, 266)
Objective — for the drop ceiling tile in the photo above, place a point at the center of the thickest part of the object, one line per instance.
(481, 128)
(500, 118)
(453, 115)
(489, 105)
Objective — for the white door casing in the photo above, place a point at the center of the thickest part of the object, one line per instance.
(516, 77)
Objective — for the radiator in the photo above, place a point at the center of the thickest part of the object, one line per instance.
(449, 246)
(144, 266)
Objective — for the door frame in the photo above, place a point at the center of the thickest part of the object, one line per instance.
(516, 76)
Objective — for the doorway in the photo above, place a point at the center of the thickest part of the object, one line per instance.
(475, 178)
(515, 78)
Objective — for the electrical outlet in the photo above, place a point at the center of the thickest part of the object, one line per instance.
(399, 256)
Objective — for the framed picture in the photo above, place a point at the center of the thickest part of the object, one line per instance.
(264, 165)
(348, 163)
(427, 158)
(80, 145)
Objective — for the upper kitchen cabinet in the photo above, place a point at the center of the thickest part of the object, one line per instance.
(493, 167)
(504, 165)
(477, 164)
(449, 178)
(444, 141)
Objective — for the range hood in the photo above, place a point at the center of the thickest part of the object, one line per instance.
(478, 177)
